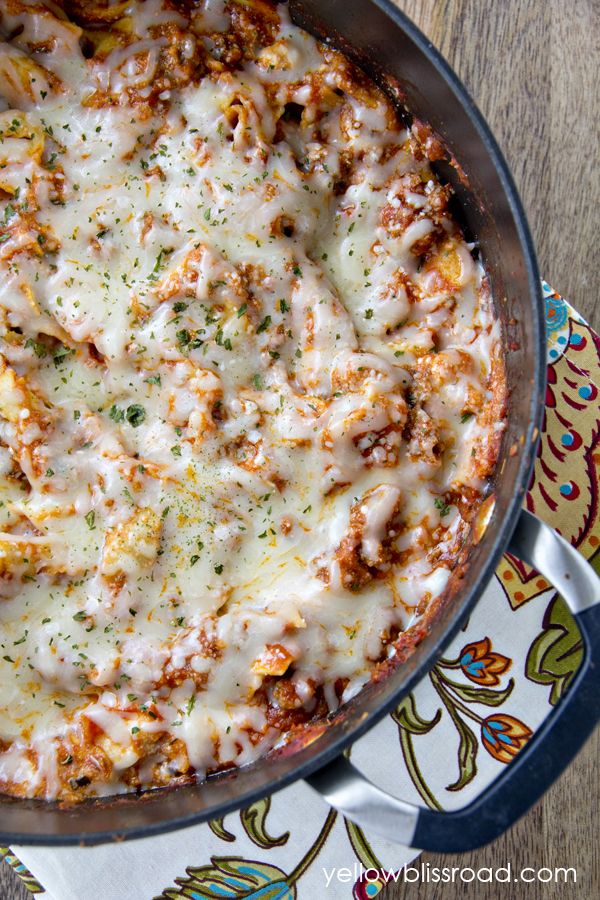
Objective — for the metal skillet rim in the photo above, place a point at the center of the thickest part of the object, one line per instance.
(432, 647)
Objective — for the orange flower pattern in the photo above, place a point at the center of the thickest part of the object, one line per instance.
(481, 664)
(503, 736)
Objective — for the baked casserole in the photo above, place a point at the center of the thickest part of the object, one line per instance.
(251, 388)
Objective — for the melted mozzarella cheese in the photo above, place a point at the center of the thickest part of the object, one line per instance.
(238, 408)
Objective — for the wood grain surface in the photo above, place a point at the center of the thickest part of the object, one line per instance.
(532, 67)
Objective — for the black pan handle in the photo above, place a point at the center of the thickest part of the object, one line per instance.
(536, 766)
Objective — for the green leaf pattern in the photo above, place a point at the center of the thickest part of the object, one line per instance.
(557, 652)
(31, 883)
(233, 876)
(254, 821)
(217, 827)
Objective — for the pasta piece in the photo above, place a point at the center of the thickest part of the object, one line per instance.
(132, 545)
(24, 82)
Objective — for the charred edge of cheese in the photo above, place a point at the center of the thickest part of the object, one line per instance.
(251, 389)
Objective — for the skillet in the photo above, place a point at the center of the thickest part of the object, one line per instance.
(393, 52)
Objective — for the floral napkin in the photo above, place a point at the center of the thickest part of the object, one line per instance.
(446, 741)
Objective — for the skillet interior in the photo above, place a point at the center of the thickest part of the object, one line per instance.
(387, 46)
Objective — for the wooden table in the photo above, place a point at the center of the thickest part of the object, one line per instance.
(531, 66)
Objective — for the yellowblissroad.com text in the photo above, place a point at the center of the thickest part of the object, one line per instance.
(425, 873)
